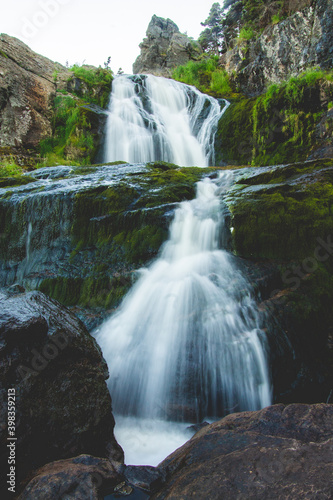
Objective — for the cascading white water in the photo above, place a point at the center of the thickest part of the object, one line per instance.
(186, 341)
(157, 119)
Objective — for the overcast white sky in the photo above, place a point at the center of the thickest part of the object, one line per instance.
(89, 31)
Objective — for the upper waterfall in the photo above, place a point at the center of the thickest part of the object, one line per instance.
(157, 119)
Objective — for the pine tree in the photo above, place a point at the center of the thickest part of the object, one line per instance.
(211, 39)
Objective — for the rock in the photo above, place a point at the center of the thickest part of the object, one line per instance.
(278, 452)
(31, 90)
(274, 215)
(144, 477)
(63, 407)
(303, 40)
(78, 233)
(78, 478)
(28, 83)
(164, 48)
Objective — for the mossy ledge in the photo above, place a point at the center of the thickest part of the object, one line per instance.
(280, 212)
(290, 122)
(112, 222)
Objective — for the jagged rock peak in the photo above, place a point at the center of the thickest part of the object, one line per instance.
(159, 27)
(164, 48)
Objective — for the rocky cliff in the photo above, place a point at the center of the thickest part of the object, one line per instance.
(28, 83)
(302, 40)
(32, 90)
(164, 48)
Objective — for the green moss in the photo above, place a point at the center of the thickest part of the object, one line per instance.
(97, 291)
(275, 128)
(283, 221)
(119, 227)
(18, 180)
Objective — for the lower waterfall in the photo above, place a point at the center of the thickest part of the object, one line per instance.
(157, 119)
(186, 342)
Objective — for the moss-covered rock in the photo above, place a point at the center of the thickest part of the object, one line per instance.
(79, 235)
(288, 123)
(281, 212)
(283, 222)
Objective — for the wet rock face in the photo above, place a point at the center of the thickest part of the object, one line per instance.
(164, 48)
(278, 452)
(77, 233)
(63, 407)
(302, 40)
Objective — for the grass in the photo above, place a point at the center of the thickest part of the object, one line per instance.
(205, 75)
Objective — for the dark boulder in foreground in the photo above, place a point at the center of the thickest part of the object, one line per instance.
(57, 373)
(76, 478)
(278, 452)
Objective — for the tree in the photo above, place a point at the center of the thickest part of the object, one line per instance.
(232, 21)
(107, 63)
(211, 39)
(228, 3)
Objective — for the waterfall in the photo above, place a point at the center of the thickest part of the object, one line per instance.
(186, 342)
(157, 119)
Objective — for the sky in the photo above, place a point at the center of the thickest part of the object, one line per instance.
(89, 31)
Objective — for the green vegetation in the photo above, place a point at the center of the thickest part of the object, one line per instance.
(73, 141)
(278, 126)
(211, 39)
(246, 34)
(95, 84)
(12, 174)
(205, 75)
(8, 168)
(97, 291)
(74, 138)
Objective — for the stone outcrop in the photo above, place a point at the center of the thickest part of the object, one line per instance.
(63, 406)
(164, 48)
(278, 452)
(28, 87)
(303, 40)
(28, 83)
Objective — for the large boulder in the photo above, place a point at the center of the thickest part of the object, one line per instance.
(278, 452)
(164, 48)
(56, 373)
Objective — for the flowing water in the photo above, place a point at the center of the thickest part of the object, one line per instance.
(153, 119)
(186, 343)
